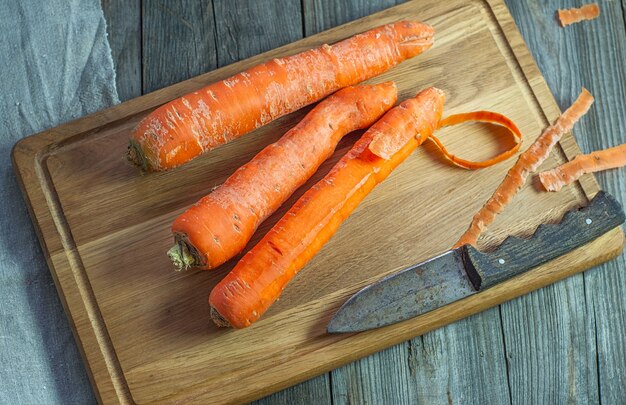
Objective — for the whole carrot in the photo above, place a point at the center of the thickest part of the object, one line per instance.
(259, 278)
(214, 115)
(220, 225)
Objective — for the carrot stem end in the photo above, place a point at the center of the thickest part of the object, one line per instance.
(136, 156)
(218, 319)
(181, 257)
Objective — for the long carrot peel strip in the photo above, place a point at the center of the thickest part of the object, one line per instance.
(216, 114)
(385, 145)
(218, 226)
(527, 163)
(260, 276)
(481, 116)
(574, 15)
(567, 173)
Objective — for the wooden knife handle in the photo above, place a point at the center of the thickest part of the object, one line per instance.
(517, 255)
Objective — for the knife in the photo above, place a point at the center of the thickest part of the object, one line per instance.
(464, 271)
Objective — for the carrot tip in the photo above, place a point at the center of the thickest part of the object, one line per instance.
(181, 257)
(218, 319)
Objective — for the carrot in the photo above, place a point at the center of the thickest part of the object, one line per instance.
(385, 144)
(574, 15)
(261, 275)
(216, 114)
(527, 163)
(220, 225)
(567, 173)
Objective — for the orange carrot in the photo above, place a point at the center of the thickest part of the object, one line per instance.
(261, 275)
(567, 173)
(527, 163)
(385, 144)
(214, 115)
(218, 226)
(574, 15)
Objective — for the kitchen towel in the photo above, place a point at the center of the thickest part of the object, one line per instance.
(55, 65)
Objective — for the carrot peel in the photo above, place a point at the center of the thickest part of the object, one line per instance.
(527, 163)
(567, 173)
(574, 15)
(481, 116)
(384, 145)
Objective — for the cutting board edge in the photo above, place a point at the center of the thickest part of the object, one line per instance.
(29, 153)
(104, 373)
(617, 241)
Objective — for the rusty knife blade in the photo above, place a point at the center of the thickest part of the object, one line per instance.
(411, 292)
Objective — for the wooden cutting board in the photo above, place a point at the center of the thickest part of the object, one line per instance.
(144, 330)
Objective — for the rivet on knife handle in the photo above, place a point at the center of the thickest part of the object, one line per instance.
(516, 255)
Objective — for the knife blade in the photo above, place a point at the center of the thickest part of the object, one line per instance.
(464, 271)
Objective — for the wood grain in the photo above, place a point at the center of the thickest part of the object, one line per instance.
(146, 338)
(551, 326)
(178, 40)
(124, 33)
(572, 347)
(433, 374)
(320, 15)
(245, 31)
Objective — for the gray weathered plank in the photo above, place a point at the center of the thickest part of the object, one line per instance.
(245, 28)
(313, 391)
(561, 339)
(371, 381)
(178, 39)
(124, 33)
(462, 362)
(602, 48)
(320, 15)
(550, 346)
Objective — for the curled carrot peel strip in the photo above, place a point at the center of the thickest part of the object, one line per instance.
(386, 145)
(480, 116)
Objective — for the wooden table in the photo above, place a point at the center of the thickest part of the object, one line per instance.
(563, 343)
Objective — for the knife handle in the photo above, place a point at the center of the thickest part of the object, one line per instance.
(516, 255)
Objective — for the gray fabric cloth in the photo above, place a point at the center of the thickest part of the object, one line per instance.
(55, 65)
